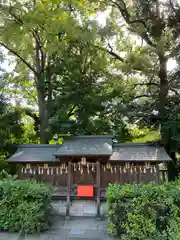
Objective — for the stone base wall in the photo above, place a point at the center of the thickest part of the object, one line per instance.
(86, 208)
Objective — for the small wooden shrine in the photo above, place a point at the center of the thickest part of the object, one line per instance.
(83, 166)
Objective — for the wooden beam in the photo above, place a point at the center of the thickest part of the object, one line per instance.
(68, 199)
(98, 184)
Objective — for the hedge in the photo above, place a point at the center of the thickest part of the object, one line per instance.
(24, 206)
(147, 212)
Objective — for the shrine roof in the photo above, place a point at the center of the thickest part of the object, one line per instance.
(139, 152)
(34, 153)
(85, 145)
(89, 146)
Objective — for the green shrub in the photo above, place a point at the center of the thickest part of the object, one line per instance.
(24, 206)
(5, 175)
(146, 212)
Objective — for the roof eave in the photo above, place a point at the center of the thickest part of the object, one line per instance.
(32, 161)
(137, 160)
(80, 155)
(38, 145)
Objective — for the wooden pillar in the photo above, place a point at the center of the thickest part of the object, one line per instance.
(139, 174)
(98, 178)
(37, 173)
(157, 174)
(162, 176)
(19, 172)
(68, 200)
(136, 172)
(120, 174)
(54, 175)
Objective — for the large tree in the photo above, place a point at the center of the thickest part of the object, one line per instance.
(154, 24)
(84, 89)
(35, 33)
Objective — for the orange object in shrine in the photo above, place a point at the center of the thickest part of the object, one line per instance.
(85, 191)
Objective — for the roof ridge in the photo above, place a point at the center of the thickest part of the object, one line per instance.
(132, 144)
(38, 145)
(89, 136)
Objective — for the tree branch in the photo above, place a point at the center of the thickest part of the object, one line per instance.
(175, 91)
(114, 54)
(31, 95)
(35, 35)
(127, 17)
(71, 111)
(146, 84)
(17, 19)
(172, 6)
(143, 95)
(18, 56)
(111, 53)
(31, 114)
(39, 44)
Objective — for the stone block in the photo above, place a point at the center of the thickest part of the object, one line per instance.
(103, 209)
(78, 202)
(59, 207)
(87, 208)
(76, 211)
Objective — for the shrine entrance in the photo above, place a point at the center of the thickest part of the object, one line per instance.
(83, 173)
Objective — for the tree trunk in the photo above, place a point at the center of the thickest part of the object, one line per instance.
(43, 116)
(172, 170)
(163, 91)
(163, 101)
(40, 86)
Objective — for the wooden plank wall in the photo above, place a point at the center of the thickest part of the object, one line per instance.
(83, 175)
(119, 174)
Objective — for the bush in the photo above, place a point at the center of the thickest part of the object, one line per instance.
(24, 206)
(146, 212)
(5, 175)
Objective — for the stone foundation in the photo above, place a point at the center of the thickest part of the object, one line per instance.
(86, 208)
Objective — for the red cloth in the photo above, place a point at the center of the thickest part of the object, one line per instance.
(85, 191)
